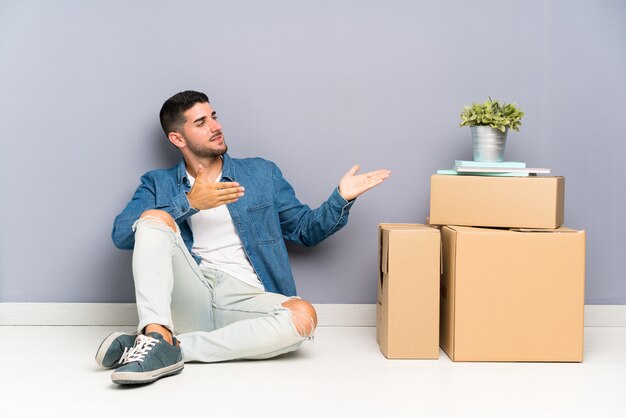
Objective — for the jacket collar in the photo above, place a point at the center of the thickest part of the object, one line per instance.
(228, 170)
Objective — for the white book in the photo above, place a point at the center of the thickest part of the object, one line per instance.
(502, 170)
(507, 174)
(502, 164)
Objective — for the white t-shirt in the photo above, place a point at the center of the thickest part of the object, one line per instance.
(216, 241)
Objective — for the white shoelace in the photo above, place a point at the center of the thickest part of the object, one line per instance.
(143, 345)
(124, 355)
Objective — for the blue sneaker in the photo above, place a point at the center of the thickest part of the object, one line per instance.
(150, 359)
(114, 349)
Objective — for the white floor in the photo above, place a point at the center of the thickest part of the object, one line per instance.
(50, 372)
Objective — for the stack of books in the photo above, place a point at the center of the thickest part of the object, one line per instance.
(504, 168)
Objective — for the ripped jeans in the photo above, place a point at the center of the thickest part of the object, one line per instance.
(215, 316)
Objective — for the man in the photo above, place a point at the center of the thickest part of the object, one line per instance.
(211, 271)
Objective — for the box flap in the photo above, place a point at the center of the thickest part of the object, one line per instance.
(447, 291)
(557, 230)
(408, 247)
(479, 229)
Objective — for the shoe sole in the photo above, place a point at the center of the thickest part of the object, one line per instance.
(104, 346)
(137, 378)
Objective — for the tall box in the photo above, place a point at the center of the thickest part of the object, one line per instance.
(522, 202)
(512, 295)
(408, 291)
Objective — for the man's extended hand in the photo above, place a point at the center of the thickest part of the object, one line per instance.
(351, 185)
(207, 194)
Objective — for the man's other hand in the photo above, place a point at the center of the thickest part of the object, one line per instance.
(207, 194)
(351, 185)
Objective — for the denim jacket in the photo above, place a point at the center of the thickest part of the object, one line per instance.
(268, 214)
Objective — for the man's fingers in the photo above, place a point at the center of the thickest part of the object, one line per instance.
(378, 173)
(226, 185)
(369, 180)
(373, 177)
(225, 188)
(224, 191)
(366, 183)
(228, 196)
(353, 170)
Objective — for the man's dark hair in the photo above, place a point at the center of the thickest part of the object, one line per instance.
(171, 115)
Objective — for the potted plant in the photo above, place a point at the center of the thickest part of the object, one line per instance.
(490, 123)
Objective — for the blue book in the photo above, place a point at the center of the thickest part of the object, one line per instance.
(503, 164)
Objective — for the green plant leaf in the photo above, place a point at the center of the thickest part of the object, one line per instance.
(492, 113)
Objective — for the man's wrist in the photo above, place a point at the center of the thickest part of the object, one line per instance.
(346, 198)
(341, 195)
(191, 202)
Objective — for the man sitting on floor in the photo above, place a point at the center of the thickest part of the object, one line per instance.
(211, 270)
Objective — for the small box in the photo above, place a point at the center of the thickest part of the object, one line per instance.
(512, 295)
(408, 291)
(508, 202)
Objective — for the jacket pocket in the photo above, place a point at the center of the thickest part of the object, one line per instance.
(265, 223)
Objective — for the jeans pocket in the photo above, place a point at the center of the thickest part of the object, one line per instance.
(265, 223)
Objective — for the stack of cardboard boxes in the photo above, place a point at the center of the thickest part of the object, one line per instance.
(512, 278)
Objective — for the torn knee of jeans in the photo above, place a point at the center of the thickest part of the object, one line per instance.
(154, 222)
(303, 323)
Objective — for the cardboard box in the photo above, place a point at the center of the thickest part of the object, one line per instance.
(510, 295)
(408, 291)
(508, 202)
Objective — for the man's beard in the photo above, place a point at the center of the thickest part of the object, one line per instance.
(205, 152)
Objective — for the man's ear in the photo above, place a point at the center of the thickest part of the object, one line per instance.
(176, 139)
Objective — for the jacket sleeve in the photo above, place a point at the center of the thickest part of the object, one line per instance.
(303, 225)
(146, 198)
